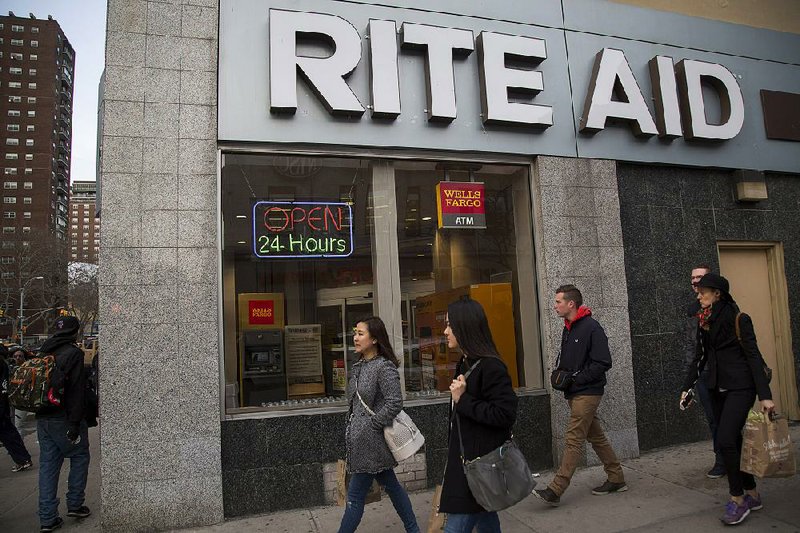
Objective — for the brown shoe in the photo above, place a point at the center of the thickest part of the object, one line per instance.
(547, 496)
(609, 487)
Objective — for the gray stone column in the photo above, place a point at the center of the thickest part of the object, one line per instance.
(159, 377)
(577, 220)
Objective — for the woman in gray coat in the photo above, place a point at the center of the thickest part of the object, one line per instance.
(374, 383)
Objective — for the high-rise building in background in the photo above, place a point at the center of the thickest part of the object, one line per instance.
(37, 65)
(84, 228)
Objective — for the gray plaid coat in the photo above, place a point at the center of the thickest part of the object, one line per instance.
(379, 384)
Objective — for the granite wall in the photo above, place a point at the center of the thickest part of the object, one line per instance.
(160, 427)
(578, 240)
(672, 218)
(277, 463)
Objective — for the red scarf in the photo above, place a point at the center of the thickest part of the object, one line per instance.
(703, 315)
(582, 312)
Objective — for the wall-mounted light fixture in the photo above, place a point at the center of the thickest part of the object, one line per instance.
(750, 186)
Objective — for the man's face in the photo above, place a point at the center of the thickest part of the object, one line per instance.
(697, 273)
(563, 307)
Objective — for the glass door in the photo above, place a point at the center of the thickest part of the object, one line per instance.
(338, 315)
(355, 309)
(330, 315)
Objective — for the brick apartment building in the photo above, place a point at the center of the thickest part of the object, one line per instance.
(84, 228)
(36, 76)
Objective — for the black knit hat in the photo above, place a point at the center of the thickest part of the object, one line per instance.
(67, 326)
(714, 281)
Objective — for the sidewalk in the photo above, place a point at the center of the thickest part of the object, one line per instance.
(668, 492)
(19, 492)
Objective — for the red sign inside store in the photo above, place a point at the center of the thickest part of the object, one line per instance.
(262, 312)
(461, 204)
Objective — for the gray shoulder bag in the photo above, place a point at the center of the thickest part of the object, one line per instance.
(499, 479)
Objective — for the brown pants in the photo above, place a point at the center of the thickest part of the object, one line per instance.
(583, 426)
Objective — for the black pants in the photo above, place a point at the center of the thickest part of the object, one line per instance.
(12, 440)
(730, 413)
(704, 395)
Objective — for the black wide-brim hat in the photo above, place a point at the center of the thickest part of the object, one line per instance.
(715, 281)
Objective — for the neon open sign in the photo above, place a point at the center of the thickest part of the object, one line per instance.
(302, 229)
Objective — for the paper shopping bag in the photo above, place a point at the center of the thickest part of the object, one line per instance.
(343, 479)
(767, 449)
(437, 519)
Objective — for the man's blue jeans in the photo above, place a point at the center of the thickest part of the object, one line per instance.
(465, 523)
(54, 447)
(357, 493)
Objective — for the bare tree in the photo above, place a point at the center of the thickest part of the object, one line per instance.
(83, 299)
(35, 270)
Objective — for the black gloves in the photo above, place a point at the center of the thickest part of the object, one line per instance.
(74, 433)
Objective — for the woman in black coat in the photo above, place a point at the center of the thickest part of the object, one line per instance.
(486, 406)
(735, 375)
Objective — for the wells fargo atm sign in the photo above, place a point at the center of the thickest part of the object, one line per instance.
(302, 229)
(461, 204)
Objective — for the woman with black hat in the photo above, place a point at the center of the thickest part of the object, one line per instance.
(735, 376)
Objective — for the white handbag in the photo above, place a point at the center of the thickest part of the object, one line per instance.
(403, 437)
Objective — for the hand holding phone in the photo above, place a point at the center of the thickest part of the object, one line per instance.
(687, 398)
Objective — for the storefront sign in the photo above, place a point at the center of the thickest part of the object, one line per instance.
(543, 78)
(302, 229)
(461, 204)
(442, 46)
(261, 312)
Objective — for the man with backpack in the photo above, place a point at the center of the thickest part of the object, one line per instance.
(62, 429)
(9, 435)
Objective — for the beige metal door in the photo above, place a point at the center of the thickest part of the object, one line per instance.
(758, 286)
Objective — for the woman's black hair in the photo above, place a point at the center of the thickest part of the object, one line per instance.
(471, 328)
(377, 330)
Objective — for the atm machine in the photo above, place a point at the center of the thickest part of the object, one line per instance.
(263, 368)
(262, 359)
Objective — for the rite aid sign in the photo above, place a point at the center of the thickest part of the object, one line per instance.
(346, 73)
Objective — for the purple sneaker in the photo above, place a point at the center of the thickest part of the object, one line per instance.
(735, 513)
(754, 504)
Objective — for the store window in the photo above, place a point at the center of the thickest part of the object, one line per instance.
(313, 244)
(294, 250)
(464, 230)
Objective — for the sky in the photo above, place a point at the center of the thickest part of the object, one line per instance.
(84, 24)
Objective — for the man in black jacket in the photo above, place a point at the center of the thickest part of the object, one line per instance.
(9, 435)
(62, 430)
(689, 349)
(584, 350)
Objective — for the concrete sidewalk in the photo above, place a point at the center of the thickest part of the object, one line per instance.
(19, 492)
(668, 492)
